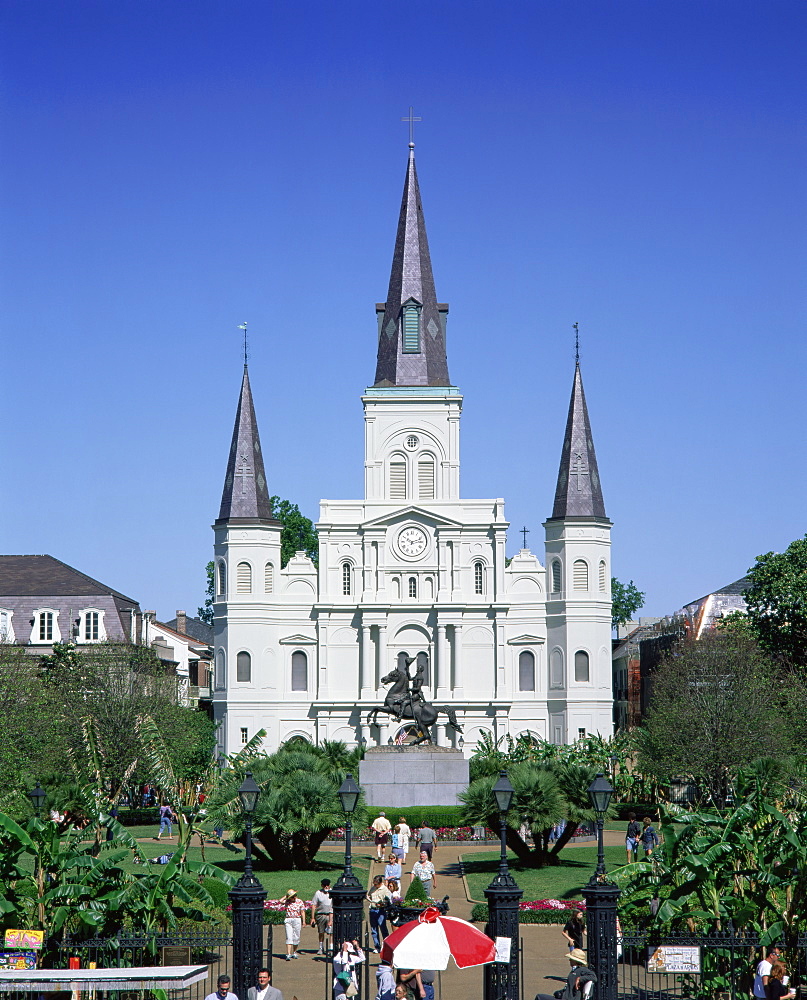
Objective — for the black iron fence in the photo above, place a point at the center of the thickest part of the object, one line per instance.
(717, 966)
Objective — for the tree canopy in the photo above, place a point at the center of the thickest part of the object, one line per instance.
(626, 599)
(776, 600)
(298, 534)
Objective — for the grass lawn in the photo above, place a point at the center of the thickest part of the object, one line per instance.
(561, 881)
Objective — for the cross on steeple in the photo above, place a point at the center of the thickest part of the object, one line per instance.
(244, 472)
(524, 532)
(576, 329)
(411, 119)
(243, 326)
(578, 470)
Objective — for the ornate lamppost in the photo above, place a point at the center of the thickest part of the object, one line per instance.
(503, 896)
(247, 897)
(348, 893)
(601, 896)
(37, 797)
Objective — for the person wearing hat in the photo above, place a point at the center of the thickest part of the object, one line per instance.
(345, 961)
(579, 975)
(295, 908)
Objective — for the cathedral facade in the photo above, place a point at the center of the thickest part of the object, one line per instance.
(412, 571)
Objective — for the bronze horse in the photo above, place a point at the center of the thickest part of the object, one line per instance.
(401, 703)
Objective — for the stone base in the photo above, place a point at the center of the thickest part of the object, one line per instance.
(403, 776)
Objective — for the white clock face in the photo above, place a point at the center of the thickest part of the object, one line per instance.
(412, 541)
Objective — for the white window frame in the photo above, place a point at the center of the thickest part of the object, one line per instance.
(347, 578)
(479, 578)
(6, 625)
(244, 652)
(82, 625)
(56, 634)
(577, 652)
(293, 689)
(522, 690)
(580, 568)
(221, 579)
(556, 574)
(243, 577)
(269, 578)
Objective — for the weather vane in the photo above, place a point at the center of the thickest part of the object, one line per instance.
(411, 119)
(243, 326)
(576, 343)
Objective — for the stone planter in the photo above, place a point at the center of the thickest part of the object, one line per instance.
(398, 914)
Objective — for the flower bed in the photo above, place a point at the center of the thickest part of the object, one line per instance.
(537, 911)
(274, 911)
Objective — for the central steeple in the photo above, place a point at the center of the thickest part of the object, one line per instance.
(412, 324)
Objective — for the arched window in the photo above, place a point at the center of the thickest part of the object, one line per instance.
(556, 578)
(397, 478)
(347, 578)
(526, 671)
(603, 578)
(479, 578)
(299, 671)
(243, 667)
(222, 592)
(243, 578)
(268, 578)
(413, 586)
(6, 628)
(556, 669)
(411, 328)
(220, 671)
(92, 626)
(581, 666)
(423, 661)
(580, 575)
(46, 627)
(426, 478)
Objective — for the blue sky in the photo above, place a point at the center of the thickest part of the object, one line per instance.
(171, 170)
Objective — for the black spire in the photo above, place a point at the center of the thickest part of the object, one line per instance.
(579, 492)
(245, 496)
(411, 336)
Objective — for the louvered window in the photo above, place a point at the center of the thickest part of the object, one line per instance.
(603, 578)
(268, 578)
(222, 580)
(220, 671)
(411, 329)
(526, 671)
(243, 667)
(243, 578)
(581, 666)
(397, 480)
(299, 671)
(347, 575)
(580, 574)
(426, 479)
(479, 578)
(556, 577)
(413, 586)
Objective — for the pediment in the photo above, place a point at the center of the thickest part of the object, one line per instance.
(525, 640)
(413, 512)
(298, 640)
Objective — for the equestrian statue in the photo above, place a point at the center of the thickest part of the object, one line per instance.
(405, 700)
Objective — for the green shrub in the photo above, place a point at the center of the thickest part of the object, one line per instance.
(274, 916)
(434, 816)
(218, 892)
(641, 809)
(415, 894)
(480, 914)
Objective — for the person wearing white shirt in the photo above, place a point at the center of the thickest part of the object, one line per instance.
(763, 973)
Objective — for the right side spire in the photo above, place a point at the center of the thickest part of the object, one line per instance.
(412, 334)
(579, 491)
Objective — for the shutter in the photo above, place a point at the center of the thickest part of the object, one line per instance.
(580, 575)
(243, 578)
(426, 479)
(268, 578)
(411, 329)
(603, 587)
(556, 577)
(397, 480)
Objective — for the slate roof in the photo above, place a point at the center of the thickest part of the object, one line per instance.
(579, 491)
(195, 628)
(245, 496)
(411, 278)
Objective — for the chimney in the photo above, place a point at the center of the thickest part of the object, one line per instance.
(181, 623)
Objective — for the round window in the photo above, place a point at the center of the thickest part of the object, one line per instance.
(412, 442)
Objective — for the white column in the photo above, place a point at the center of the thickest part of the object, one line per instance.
(382, 657)
(366, 666)
(458, 678)
(442, 677)
(442, 734)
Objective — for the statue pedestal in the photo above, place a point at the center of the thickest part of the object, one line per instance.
(402, 776)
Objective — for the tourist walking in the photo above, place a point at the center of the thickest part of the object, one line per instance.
(778, 983)
(649, 836)
(579, 975)
(406, 834)
(394, 887)
(222, 989)
(424, 870)
(385, 981)
(295, 908)
(379, 895)
(322, 914)
(632, 837)
(763, 973)
(345, 961)
(427, 840)
(573, 930)
(264, 990)
(392, 868)
(397, 842)
(381, 827)
(166, 818)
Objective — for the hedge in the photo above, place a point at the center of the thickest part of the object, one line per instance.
(641, 809)
(139, 817)
(480, 913)
(416, 816)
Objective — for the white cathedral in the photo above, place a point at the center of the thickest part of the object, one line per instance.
(412, 568)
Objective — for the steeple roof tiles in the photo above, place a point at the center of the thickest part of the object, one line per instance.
(579, 491)
(245, 496)
(411, 279)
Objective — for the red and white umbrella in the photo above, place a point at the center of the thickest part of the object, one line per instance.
(429, 941)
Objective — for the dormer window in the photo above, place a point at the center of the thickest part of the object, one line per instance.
(411, 328)
(45, 626)
(91, 625)
(6, 628)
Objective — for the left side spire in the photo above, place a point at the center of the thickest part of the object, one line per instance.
(245, 496)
